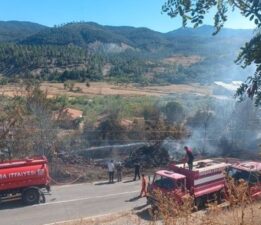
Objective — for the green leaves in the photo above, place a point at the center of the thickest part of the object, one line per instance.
(194, 11)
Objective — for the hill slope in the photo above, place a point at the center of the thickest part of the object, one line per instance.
(16, 30)
(83, 34)
(80, 34)
(91, 51)
(207, 31)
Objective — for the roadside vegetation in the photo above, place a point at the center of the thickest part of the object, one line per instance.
(238, 209)
(165, 124)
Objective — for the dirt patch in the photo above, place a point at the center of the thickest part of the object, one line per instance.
(75, 170)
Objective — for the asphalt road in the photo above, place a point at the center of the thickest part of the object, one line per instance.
(74, 202)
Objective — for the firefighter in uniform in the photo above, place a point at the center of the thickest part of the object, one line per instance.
(189, 157)
(143, 186)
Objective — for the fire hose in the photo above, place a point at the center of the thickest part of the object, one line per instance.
(65, 183)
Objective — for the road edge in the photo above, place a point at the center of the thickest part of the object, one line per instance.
(91, 218)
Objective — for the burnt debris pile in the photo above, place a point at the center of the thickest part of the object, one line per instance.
(148, 157)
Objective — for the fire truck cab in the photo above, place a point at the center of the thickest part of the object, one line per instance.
(205, 182)
(250, 172)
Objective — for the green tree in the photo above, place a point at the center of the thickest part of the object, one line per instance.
(109, 131)
(151, 113)
(174, 112)
(156, 129)
(41, 129)
(194, 11)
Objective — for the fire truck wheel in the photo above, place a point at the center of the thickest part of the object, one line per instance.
(200, 203)
(219, 198)
(31, 196)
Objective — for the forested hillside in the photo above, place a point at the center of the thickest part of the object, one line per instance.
(89, 51)
(16, 31)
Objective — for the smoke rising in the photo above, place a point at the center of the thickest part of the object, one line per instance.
(221, 127)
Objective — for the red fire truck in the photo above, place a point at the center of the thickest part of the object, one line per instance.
(206, 182)
(249, 171)
(24, 179)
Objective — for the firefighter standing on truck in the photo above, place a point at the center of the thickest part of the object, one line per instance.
(189, 157)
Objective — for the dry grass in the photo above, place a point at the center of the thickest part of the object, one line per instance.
(251, 215)
(102, 88)
(81, 172)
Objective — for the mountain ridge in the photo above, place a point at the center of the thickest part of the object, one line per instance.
(16, 30)
(83, 33)
(83, 50)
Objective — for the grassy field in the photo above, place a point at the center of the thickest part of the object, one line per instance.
(105, 89)
(101, 97)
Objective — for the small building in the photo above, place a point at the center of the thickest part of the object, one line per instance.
(68, 114)
(126, 123)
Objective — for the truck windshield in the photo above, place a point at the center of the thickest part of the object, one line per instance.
(238, 174)
(164, 182)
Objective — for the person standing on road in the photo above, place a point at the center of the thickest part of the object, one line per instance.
(111, 169)
(189, 157)
(119, 171)
(143, 186)
(136, 171)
